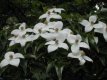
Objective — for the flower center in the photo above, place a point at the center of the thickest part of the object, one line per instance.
(48, 13)
(82, 53)
(53, 11)
(56, 41)
(11, 57)
(56, 30)
(92, 23)
(23, 36)
(15, 36)
(40, 30)
(76, 40)
(45, 22)
(22, 28)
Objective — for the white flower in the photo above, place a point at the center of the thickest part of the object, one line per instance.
(40, 29)
(89, 25)
(55, 26)
(49, 15)
(57, 10)
(21, 31)
(20, 35)
(102, 27)
(76, 41)
(58, 42)
(48, 31)
(22, 40)
(105, 33)
(80, 56)
(12, 59)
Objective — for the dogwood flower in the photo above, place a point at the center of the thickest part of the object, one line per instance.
(22, 40)
(102, 27)
(80, 56)
(53, 29)
(89, 25)
(76, 41)
(21, 31)
(40, 29)
(55, 26)
(102, 30)
(12, 59)
(58, 42)
(49, 15)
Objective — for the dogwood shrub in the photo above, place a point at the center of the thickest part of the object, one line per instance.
(50, 43)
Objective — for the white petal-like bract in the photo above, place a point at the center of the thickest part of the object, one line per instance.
(52, 48)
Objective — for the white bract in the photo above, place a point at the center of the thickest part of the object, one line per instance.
(52, 13)
(105, 33)
(76, 41)
(12, 40)
(12, 59)
(80, 56)
(102, 29)
(58, 42)
(89, 25)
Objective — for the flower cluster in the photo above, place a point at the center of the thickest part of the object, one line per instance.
(55, 35)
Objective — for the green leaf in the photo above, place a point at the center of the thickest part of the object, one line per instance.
(49, 66)
(59, 71)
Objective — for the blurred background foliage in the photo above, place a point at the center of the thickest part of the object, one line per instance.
(29, 10)
(13, 12)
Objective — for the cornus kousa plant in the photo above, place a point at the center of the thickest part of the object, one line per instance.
(51, 44)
